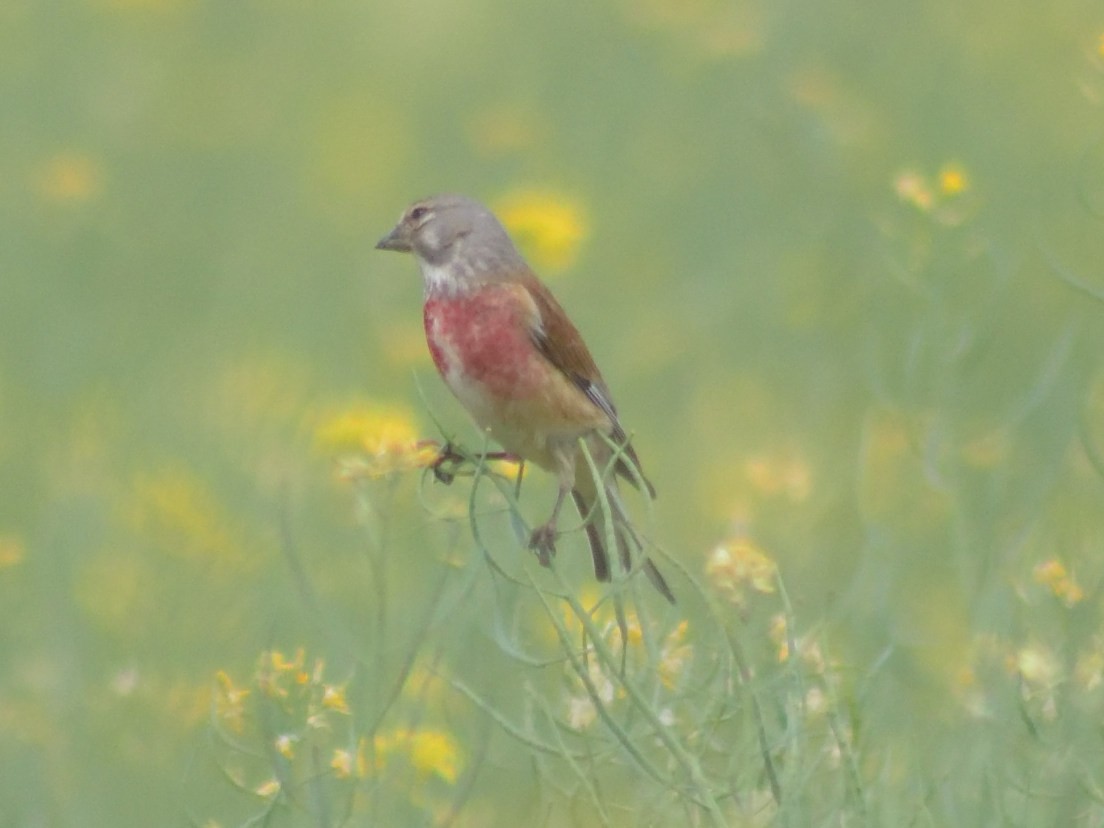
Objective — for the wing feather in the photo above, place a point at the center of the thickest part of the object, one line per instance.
(560, 342)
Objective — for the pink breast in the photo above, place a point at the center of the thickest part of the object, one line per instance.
(481, 337)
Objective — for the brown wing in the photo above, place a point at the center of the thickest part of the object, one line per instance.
(561, 344)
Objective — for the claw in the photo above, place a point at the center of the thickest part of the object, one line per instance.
(441, 475)
(543, 542)
(448, 460)
(447, 455)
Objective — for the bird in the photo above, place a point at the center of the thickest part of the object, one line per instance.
(507, 350)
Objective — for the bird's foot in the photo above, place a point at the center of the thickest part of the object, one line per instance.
(448, 462)
(444, 466)
(543, 542)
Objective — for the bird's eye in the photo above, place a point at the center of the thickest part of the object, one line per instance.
(418, 213)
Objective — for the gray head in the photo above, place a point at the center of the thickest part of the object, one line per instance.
(455, 239)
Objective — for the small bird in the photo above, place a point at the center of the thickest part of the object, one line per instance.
(507, 350)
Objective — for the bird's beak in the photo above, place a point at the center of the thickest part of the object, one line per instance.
(395, 240)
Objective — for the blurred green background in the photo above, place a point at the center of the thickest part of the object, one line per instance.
(839, 262)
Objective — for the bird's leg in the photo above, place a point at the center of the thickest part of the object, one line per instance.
(543, 539)
(449, 460)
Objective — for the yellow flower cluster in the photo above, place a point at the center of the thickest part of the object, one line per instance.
(268, 789)
(674, 656)
(953, 180)
(430, 752)
(737, 568)
(550, 228)
(808, 648)
(347, 764)
(289, 714)
(229, 702)
(941, 197)
(373, 441)
(288, 682)
(1054, 576)
(427, 751)
(916, 189)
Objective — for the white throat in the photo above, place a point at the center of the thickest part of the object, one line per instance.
(437, 279)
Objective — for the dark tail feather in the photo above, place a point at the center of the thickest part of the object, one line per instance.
(657, 579)
(596, 537)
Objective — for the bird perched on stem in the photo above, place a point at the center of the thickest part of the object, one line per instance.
(509, 353)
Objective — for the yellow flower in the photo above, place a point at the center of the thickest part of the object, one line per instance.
(1053, 575)
(268, 789)
(383, 440)
(953, 180)
(674, 655)
(333, 698)
(739, 565)
(549, 227)
(69, 178)
(345, 763)
(229, 702)
(634, 636)
(269, 674)
(281, 664)
(435, 752)
(1037, 666)
(912, 188)
(430, 752)
(285, 745)
(779, 634)
(808, 649)
(12, 552)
